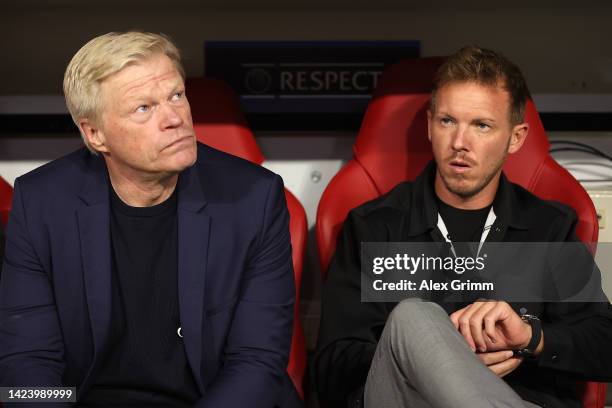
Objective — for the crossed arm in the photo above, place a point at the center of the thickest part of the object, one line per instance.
(493, 329)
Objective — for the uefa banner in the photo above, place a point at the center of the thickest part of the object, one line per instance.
(303, 77)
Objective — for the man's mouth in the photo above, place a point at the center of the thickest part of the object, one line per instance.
(460, 166)
(183, 139)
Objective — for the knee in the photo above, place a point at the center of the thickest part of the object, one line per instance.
(415, 314)
(406, 328)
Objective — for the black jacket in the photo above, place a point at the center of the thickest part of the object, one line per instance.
(578, 336)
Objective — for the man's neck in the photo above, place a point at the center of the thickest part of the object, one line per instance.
(482, 199)
(142, 191)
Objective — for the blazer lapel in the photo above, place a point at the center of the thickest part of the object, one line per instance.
(193, 236)
(94, 232)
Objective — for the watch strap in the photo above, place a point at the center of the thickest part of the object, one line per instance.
(536, 336)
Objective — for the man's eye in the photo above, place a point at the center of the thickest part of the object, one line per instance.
(483, 126)
(446, 121)
(177, 96)
(142, 108)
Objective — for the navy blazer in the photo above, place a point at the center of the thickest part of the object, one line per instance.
(235, 278)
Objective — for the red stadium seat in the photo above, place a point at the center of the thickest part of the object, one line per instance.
(392, 146)
(219, 122)
(6, 198)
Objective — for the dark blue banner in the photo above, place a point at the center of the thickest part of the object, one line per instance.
(304, 77)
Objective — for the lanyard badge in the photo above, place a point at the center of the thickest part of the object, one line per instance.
(485, 231)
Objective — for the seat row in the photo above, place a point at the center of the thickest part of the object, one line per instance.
(391, 147)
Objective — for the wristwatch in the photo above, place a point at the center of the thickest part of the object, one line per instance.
(536, 336)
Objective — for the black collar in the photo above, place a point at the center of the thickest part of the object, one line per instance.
(505, 205)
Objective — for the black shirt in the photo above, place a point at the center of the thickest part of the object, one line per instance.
(463, 225)
(145, 362)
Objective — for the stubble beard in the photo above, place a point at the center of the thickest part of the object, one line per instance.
(467, 191)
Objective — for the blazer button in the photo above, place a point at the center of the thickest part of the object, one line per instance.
(179, 331)
(554, 358)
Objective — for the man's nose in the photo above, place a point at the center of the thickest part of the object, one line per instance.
(460, 138)
(171, 117)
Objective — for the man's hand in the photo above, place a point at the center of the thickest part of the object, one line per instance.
(500, 362)
(491, 326)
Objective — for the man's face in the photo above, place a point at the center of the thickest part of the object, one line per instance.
(146, 127)
(471, 135)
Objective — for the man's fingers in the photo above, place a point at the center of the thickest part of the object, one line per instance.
(512, 364)
(476, 325)
(506, 367)
(515, 331)
(489, 327)
(495, 357)
(464, 324)
(454, 317)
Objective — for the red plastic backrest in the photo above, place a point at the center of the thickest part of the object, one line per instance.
(218, 119)
(6, 199)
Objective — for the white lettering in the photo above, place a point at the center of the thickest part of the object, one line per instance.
(355, 82)
(318, 81)
(286, 81)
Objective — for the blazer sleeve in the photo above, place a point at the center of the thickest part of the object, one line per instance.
(31, 343)
(257, 348)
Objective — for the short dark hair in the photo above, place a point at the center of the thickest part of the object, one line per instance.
(486, 67)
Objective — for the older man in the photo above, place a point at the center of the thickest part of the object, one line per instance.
(146, 269)
(413, 354)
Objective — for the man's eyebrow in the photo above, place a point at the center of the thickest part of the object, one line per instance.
(177, 86)
(478, 120)
(142, 82)
(144, 94)
(132, 98)
(442, 113)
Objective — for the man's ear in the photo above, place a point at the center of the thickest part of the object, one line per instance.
(93, 134)
(518, 136)
(429, 118)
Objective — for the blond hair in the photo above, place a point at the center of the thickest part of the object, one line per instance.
(102, 57)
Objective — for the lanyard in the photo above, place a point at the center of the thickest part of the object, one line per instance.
(485, 231)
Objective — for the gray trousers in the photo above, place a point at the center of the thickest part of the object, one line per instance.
(422, 361)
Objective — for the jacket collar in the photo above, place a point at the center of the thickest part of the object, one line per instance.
(506, 206)
(95, 189)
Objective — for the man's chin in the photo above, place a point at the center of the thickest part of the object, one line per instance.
(187, 163)
(462, 188)
(181, 162)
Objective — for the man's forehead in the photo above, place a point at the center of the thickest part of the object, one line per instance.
(472, 95)
(144, 75)
(498, 87)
